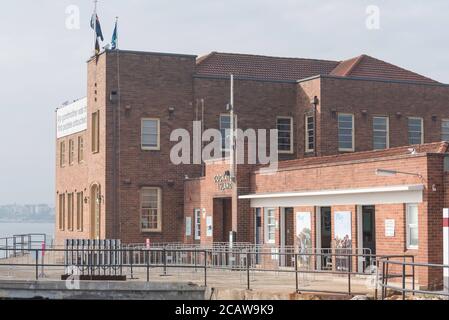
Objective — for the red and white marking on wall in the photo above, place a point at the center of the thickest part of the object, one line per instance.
(446, 247)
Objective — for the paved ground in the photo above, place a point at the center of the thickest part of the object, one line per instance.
(220, 279)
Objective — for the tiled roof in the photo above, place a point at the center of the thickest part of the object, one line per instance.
(369, 67)
(218, 64)
(262, 67)
(436, 147)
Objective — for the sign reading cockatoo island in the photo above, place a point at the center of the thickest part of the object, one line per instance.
(223, 182)
(71, 118)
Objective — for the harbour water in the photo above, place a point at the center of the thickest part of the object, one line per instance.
(8, 229)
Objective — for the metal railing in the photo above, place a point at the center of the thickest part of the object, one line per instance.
(21, 244)
(129, 261)
(226, 254)
(396, 273)
(405, 267)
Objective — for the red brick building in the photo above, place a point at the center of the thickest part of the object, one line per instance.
(114, 177)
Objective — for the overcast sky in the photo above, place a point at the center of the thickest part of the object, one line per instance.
(43, 63)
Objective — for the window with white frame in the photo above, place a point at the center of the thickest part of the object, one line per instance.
(197, 224)
(380, 133)
(310, 133)
(345, 132)
(284, 126)
(150, 209)
(415, 130)
(150, 134)
(270, 225)
(445, 130)
(188, 226)
(412, 225)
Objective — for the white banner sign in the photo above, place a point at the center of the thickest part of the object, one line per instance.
(71, 118)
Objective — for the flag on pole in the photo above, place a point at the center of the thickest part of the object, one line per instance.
(95, 25)
(114, 38)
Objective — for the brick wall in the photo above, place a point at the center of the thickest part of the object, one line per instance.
(379, 98)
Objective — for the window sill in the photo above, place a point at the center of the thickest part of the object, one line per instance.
(150, 149)
(412, 248)
(150, 231)
(285, 152)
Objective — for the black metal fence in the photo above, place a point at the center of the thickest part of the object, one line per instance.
(396, 271)
(21, 244)
(81, 261)
(110, 258)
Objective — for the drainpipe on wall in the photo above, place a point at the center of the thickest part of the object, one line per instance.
(315, 102)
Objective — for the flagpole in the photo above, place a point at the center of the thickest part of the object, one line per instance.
(95, 25)
(118, 132)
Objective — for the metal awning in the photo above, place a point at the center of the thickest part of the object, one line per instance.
(360, 196)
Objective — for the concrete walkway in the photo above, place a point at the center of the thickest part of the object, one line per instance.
(280, 282)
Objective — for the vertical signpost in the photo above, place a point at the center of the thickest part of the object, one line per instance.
(446, 248)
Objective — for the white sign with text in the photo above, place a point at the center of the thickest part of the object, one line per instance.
(390, 226)
(72, 118)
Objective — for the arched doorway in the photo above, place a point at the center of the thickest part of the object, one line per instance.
(95, 202)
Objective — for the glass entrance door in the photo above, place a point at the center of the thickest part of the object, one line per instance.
(369, 229)
(326, 238)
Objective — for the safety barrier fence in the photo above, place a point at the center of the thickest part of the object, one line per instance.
(119, 261)
(225, 254)
(19, 245)
(396, 270)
